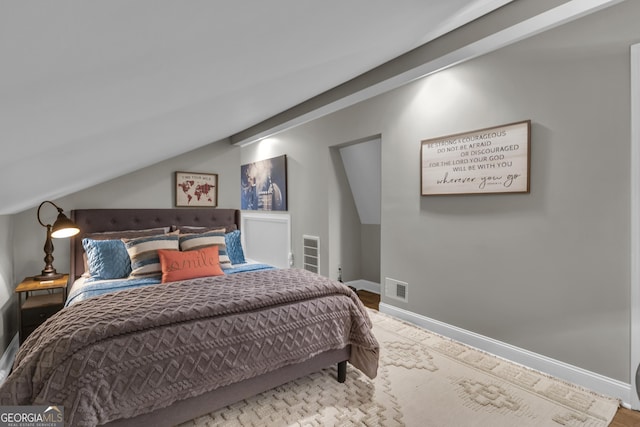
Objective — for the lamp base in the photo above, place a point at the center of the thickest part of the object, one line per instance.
(51, 276)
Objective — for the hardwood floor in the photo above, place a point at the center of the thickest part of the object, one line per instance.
(369, 299)
(624, 417)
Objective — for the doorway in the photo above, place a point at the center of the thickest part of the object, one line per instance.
(359, 166)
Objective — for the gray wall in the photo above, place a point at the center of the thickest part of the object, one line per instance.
(370, 252)
(344, 247)
(358, 249)
(319, 200)
(8, 314)
(361, 162)
(546, 271)
(151, 187)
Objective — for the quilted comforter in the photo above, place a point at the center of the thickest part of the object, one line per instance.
(131, 352)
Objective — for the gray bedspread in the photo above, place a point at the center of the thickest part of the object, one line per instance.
(134, 351)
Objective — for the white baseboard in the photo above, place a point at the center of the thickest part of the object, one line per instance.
(365, 285)
(590, 380)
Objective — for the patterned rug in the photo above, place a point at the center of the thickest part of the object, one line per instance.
(424, 380)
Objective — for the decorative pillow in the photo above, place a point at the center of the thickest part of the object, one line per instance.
(117, 235)
(143, 252)
(234, 247)
(190, 242)
(127, 234)
(189, 265)
(228, 228)
(106, 259)
(85, 265)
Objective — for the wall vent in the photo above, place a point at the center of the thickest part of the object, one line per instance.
(396, 289)
(311, 253)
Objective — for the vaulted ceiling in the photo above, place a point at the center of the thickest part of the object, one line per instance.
(93, 90)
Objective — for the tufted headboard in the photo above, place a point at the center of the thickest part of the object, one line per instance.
(97, 220)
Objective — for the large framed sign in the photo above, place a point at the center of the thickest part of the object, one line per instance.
(492, 160)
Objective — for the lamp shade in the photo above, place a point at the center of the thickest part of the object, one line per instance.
(64, 227)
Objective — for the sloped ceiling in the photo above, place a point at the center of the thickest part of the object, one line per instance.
(93, 90)
(363, 167)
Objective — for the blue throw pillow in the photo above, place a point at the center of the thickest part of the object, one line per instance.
(107, 259)
(234, 247)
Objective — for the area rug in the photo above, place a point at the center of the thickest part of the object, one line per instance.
(424, 379)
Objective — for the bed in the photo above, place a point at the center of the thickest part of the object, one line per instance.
(166, 353)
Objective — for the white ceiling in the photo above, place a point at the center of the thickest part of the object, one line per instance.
(93, 90)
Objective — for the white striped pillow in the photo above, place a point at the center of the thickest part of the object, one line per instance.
(143, 252)
(191, 242)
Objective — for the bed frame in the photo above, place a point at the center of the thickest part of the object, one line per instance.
(96, 220)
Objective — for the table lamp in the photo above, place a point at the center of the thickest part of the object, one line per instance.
(62, 227)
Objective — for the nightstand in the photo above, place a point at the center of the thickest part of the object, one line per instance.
(34, 309)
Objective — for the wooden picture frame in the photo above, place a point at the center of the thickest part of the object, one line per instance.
(486, 161)
(196, 189)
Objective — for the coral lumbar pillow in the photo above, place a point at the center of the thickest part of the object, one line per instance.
(178, 265)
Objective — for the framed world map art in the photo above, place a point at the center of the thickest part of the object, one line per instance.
(196, 189)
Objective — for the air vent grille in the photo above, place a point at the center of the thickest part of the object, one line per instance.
(396, 289)
(311, 253)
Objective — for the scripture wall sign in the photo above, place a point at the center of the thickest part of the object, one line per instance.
(493, 160)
